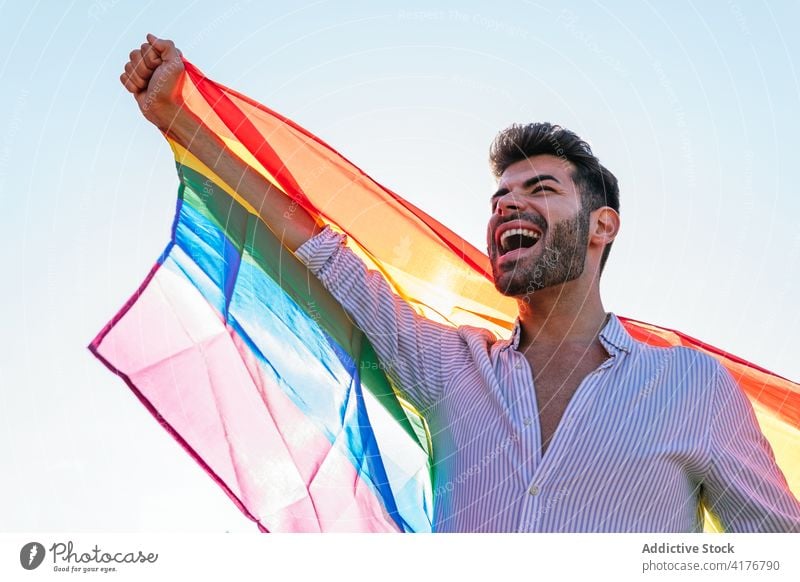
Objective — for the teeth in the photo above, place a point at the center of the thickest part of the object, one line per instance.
(518, 231)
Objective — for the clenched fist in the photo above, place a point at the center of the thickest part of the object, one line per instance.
(153, 74)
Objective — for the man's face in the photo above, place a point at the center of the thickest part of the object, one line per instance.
(537, 236)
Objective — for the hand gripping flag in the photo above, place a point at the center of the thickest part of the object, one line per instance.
(259, 374)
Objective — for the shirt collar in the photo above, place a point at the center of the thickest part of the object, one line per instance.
(613, 336)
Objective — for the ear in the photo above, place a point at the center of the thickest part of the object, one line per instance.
(604, 226)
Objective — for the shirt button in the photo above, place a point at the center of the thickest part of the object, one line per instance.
(534, 490)
(527, 422)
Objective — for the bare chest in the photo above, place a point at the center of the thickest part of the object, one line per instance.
(556, 377)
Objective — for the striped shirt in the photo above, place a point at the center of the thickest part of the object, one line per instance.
(648, 438)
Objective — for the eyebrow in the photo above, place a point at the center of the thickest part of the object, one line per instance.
(530, 182)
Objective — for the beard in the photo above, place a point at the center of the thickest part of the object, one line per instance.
(559, 257)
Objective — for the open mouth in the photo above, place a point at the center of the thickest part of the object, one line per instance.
(515, 239)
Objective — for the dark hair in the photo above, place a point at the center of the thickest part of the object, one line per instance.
(598, 187)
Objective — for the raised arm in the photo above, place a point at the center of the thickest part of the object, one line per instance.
(419, 355)
(153, 75)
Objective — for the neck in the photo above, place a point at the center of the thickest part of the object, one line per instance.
(568, 313)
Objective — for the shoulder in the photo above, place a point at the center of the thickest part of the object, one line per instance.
(471, 334)
(479, 341)
(679, 370)
(680, 359)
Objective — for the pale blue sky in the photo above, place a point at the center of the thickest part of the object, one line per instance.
(692, 105)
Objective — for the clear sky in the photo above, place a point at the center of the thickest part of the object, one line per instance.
(693, 105)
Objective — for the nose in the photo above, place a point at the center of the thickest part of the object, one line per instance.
(506, 204)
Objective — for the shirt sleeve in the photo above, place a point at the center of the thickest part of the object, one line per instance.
(412, 349)
(744, 486)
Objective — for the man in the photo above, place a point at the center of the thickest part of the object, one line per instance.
(570, 425)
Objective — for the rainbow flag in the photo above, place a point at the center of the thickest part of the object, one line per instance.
(259, 374)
